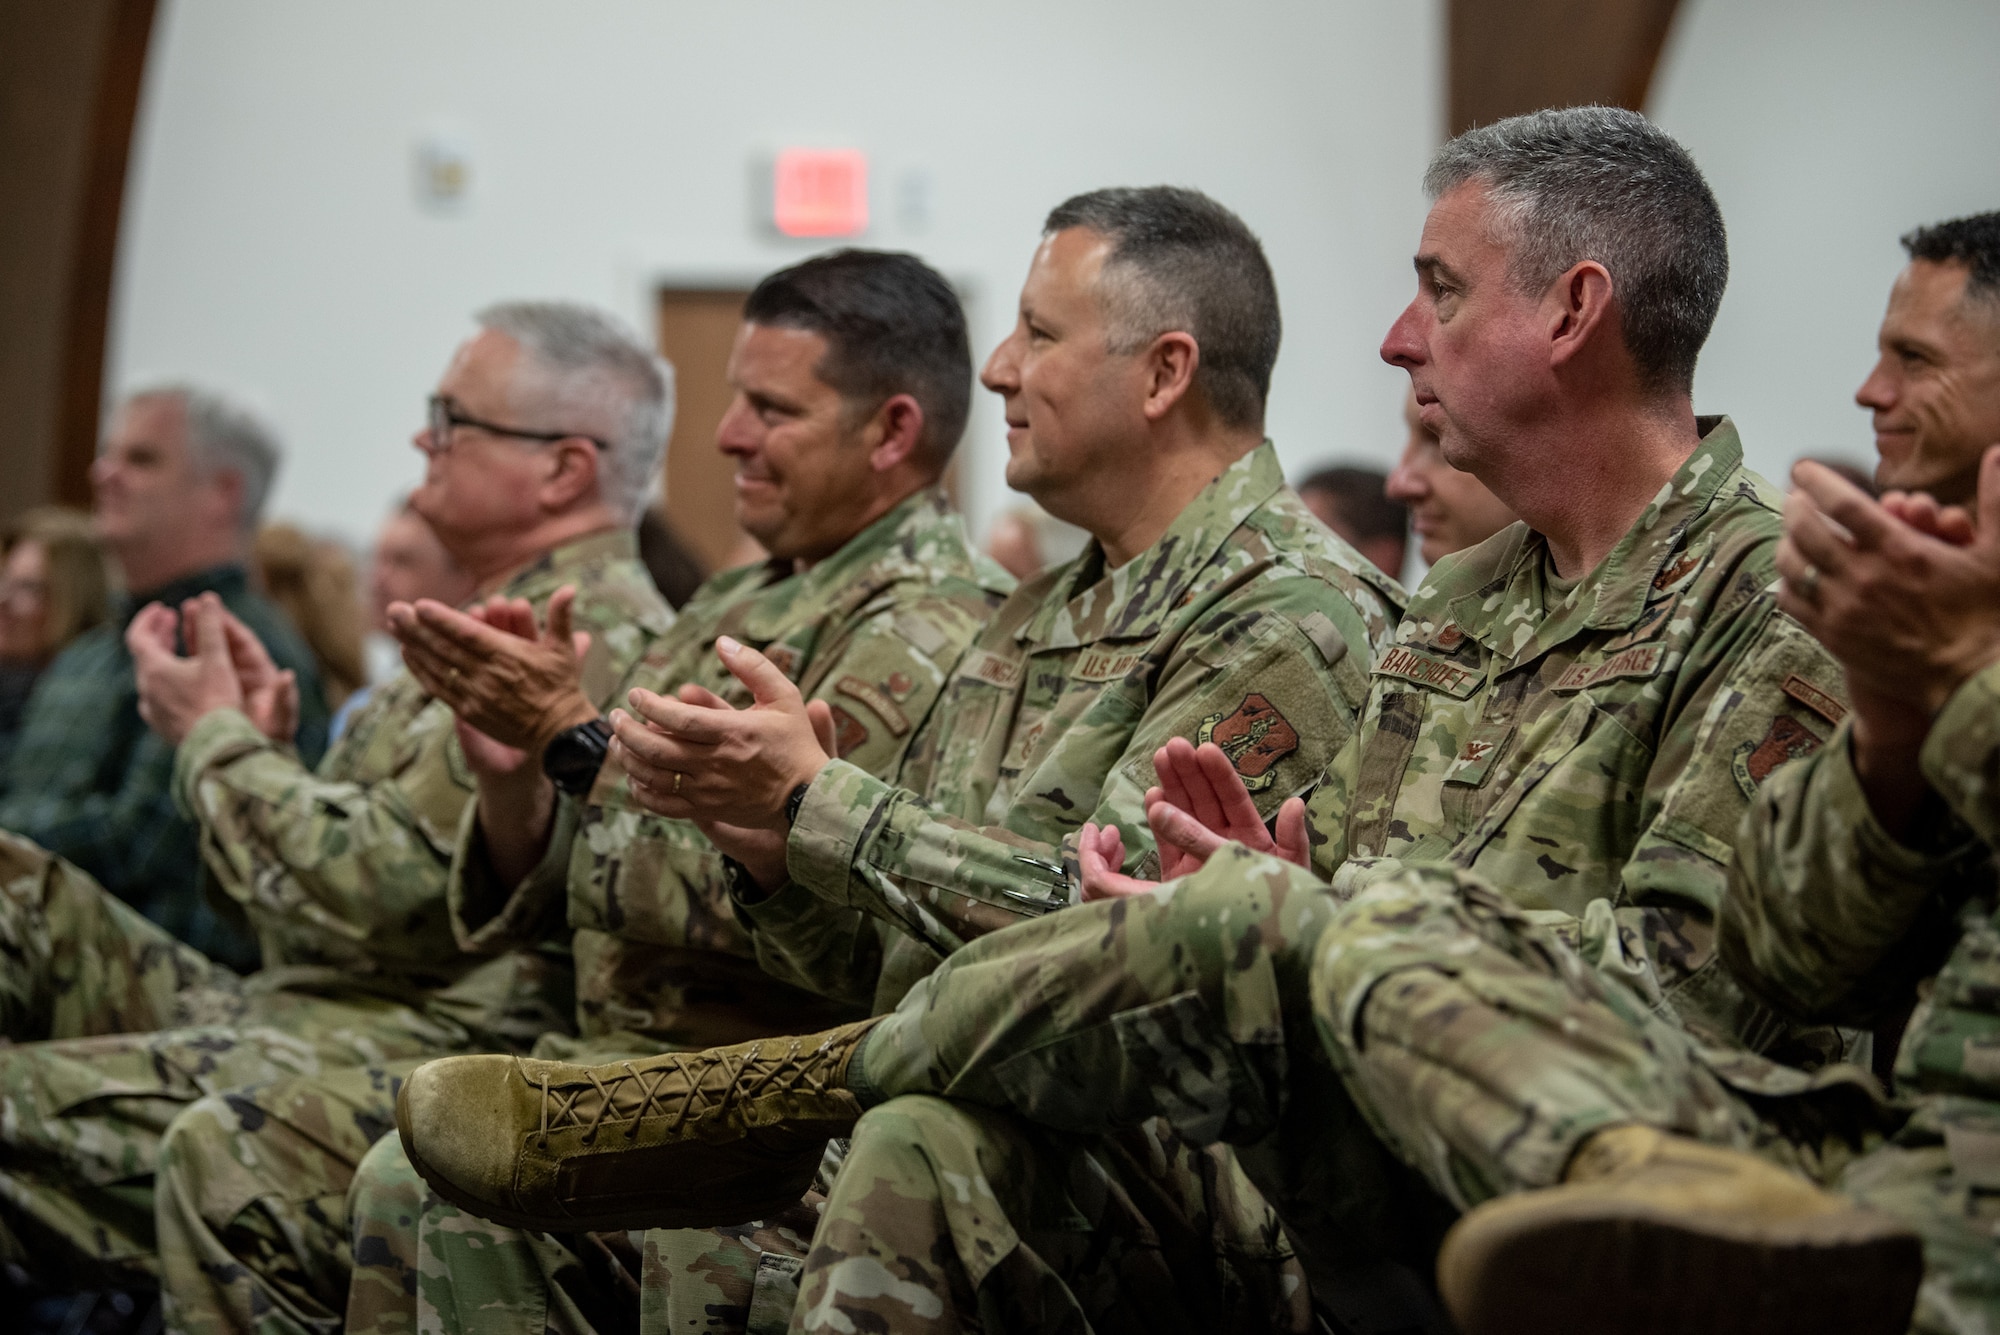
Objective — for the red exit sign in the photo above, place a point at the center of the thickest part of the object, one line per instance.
(820, 192)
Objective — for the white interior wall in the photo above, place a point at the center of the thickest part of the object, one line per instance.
(1827, 131)
(274, 243)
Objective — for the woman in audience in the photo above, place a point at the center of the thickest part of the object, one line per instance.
(54, 585)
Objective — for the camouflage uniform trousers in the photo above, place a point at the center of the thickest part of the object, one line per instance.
(1101, 1245)
(253, 1182)
(1485, 1051)
(77, 961)
(83, 1120)
(1339, 1043)
(422, 1264)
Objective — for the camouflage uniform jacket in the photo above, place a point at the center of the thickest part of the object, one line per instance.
(1830, 917)
(871, 630)
(343, 871)
(1591, 750)
(1247, 623)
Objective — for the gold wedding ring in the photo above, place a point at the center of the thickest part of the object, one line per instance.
(678, 776)
(1809, 584)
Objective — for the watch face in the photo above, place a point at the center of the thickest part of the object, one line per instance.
(574, 757)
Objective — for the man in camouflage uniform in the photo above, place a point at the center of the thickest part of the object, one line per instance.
(1210, 605)
(341, 873)
(1579, 708)
(853, 378)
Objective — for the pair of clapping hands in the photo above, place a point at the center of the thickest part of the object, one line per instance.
(513, 685)
(1903, 591)
(226, 667)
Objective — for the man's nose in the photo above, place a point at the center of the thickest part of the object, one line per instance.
(1002, 371)
(1878, 391)
(1401, 346)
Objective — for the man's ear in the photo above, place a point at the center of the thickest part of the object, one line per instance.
(897, 430)
(1170, 363)
(575, 466)
(1579, 309)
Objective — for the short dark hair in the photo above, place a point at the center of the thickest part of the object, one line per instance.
(892, 325)
(1605, 184)
(1973, 241)
(1361, 496)
(1181, 261)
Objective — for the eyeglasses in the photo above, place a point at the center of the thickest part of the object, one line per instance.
(444, 416)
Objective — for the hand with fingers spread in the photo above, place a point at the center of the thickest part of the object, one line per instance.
(1906, 594)
(177, 692)
(1201, 803)
(518, 683)
(1911, 614)
(696, 758)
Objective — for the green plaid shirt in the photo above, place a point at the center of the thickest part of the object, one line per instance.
(88, 779)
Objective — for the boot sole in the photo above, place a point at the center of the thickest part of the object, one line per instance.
(1527, 1266)
(637, 1215)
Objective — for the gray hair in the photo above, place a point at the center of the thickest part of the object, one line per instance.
(225, 437)
(1181, 261)
(1604, 184)
(596, 376)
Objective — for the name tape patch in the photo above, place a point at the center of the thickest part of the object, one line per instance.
(1409, 665)
(1641, 660)
(1106, 664)
(991, 668)
(1813, 698)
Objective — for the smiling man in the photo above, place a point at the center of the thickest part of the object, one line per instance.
(1935, 392)
(851, 379)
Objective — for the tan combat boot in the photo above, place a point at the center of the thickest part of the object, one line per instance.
(685, 1140)
(1654, 1233)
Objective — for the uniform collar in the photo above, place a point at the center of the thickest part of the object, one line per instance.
(558, 565)
(1519, 615)
(1135, 600)
(900, 544)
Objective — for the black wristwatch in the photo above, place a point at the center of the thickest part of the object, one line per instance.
(794, 802)
(574, 755)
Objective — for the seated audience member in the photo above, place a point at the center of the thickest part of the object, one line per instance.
(1561, 742)
(871, 592)
(54, 585)
(407, 563)
(1355, 503)
(1450, 509)
(179, 484)
(312, 582)
(1935, 390)
(540, 447)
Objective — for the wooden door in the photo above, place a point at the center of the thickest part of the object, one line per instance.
(697, 328)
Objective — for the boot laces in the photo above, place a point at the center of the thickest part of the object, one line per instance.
(747, 1073)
